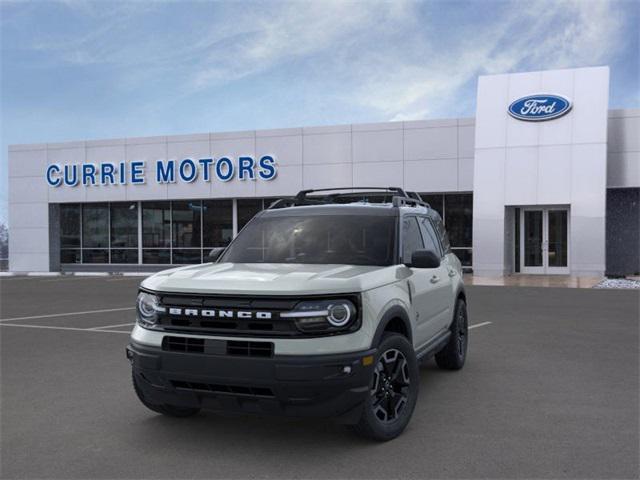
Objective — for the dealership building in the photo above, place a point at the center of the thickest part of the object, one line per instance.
(545, 179)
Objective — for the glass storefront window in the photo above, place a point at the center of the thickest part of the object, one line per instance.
(95, 225)
(186, 255)
(217, 223)
(124, 225)
(127, 255)
(69, 226)
(247, 209)
(156, 224)
(458, 218)
(186, 224)
(91, 255)
(464, 255)
(156, 256)
(435, 200)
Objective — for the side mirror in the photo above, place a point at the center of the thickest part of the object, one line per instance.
(424, 259)
(215, 253)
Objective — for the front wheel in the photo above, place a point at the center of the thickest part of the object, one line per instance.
(393, 390)
(454, 353)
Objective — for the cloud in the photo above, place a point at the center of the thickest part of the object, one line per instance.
(524, 36)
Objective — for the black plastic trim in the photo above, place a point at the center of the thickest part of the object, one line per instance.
(394, 312)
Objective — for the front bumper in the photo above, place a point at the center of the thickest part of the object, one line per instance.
(290, 385)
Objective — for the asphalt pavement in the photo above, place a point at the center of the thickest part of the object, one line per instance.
(550, 390)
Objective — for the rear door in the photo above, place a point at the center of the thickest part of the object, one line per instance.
(442, 294)
(423, 284)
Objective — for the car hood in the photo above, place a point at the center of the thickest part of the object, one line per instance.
(270, 279)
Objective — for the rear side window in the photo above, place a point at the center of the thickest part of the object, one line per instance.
(411, 238)
(442, 233)
(430, 237)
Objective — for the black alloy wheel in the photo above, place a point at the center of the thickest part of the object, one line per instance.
(391, 383)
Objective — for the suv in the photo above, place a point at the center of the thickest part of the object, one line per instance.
(323, 305)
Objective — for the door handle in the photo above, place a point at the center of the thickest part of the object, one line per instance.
(452, 273)
(435, 279)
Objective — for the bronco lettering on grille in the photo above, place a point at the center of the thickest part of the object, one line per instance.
(194, 312)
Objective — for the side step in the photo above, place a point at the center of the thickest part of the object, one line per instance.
(434, 345)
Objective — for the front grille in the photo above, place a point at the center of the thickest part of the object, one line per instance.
(250, 349)
(183, 344)
(217, 347)
(237, 316)
(228, 389)
(273, 327)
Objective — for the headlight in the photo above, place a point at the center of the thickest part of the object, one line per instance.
(148, 307)
(323, 316)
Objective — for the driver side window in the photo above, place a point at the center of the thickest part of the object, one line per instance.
(411, 238)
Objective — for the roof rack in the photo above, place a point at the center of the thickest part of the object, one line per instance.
(399, 197)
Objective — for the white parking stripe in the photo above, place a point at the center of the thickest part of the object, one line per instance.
(61, 328)
(88, 312)
(479, 325)
(113, 326)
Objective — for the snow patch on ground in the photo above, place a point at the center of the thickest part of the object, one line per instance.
(618, 283)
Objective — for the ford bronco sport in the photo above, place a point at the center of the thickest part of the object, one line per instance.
(323, 305)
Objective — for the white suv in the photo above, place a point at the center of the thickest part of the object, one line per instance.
(321, 306)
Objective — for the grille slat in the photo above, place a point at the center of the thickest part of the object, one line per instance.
(218, 347)
(225, 389)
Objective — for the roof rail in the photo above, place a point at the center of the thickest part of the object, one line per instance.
(399, 197)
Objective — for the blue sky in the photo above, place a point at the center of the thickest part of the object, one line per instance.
(75, 70)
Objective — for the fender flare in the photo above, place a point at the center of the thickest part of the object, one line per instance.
(395, 311)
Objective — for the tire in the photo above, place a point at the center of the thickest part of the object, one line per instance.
(394, 387)
(168, 410)
(454, 353)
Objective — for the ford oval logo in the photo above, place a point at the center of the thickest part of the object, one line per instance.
(536, 108)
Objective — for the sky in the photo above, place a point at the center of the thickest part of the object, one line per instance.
(75, 70)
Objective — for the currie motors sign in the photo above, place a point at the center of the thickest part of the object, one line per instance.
(187, 170)
(540, 107)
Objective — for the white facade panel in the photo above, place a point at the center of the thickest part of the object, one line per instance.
(27, 163)
(286, 149)
(431, 175)
(554, 175)
(28, 215)
(30, 240)
(326, 148)
(377, 146)
(521, 133)
(378, 173)
(28, 190)
(623, 169)
(319, 176)
(149, 153)
(493, 94)
(465, 174)
(28, 262)
(430, 143)
(624, 134)
(466, 141)
(591, 105)
(521, 176)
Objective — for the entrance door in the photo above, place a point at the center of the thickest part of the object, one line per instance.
(544, 240)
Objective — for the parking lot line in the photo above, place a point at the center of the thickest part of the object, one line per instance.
(483, 324)
(48, 327)
(113, 326)
(88, 312)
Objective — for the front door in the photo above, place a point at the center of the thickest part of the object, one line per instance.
(544, 240)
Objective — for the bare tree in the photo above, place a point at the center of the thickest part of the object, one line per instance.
(4, 241)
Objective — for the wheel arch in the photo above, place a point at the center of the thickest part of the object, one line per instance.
(396, 319)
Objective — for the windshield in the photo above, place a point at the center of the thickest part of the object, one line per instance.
(343, 239)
